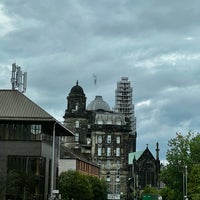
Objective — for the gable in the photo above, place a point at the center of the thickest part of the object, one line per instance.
(133, 155)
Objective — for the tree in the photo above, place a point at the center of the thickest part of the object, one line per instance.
(99, 188)
(16, 184)
(74, 185)
(184, 151)
(167, 193)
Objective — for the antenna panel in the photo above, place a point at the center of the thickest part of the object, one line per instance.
(24, 81)
(18, 79)
(14, 67)
(19, 76)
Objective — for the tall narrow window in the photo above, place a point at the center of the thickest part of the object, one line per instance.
(109, 151)
(118, 164)
(108, 164)
(77, 124)
(108, 177)
(76, 137)
(99, 139)
(118, 140)
(99, 151)
(117, 176)
(117, 151)
(108, 139)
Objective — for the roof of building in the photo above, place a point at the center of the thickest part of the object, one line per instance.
(110, 118)
(15, 106)
(134, 155)
(68, 153)
(77, 90)
(138, 154)
(98, 104)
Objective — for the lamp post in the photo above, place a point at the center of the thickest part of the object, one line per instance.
(186, 183)
(53, 161)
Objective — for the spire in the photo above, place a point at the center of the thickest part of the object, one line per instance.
(157, 151)
(77, 82)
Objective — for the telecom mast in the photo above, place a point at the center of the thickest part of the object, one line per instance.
(18, 78)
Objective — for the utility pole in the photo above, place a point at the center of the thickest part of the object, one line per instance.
(186, 183)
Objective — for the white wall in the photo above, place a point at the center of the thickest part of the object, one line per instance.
(66, 164)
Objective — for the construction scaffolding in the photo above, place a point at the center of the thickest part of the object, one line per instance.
(124, 101)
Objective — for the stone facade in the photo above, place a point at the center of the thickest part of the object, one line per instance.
(101, 135)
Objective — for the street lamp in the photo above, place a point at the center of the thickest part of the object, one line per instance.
(186, 183)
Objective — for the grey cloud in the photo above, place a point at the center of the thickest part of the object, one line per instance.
(154, 43)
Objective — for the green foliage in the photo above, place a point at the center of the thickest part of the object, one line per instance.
(183, 151)
(194, 181)
(17, 184)
(150, 190)
(167, 194)
(73, 184)
(99, 188)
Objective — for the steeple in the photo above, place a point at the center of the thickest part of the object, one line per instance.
(157, 151)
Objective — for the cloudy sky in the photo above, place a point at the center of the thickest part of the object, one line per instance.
(156, 44)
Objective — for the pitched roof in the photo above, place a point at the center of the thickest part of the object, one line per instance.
(138, 154)
(133, 155)
(16, 106)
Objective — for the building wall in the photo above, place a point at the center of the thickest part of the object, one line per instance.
(98, 120)
(83, 167)
(87, 168)
(66, 164)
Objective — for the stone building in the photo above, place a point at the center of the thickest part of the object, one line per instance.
(101, 135)
(108, 139)
(144, 170)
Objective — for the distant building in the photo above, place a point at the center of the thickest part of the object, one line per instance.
(26, 147)
(144, 169)
(101, 135)
(72, 161)
(108, 139)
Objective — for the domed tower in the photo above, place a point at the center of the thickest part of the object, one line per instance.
(98, 104)
(76, 120)
(109, 139)
(76, 102)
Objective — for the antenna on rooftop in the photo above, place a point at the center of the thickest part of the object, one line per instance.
(18, 79)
